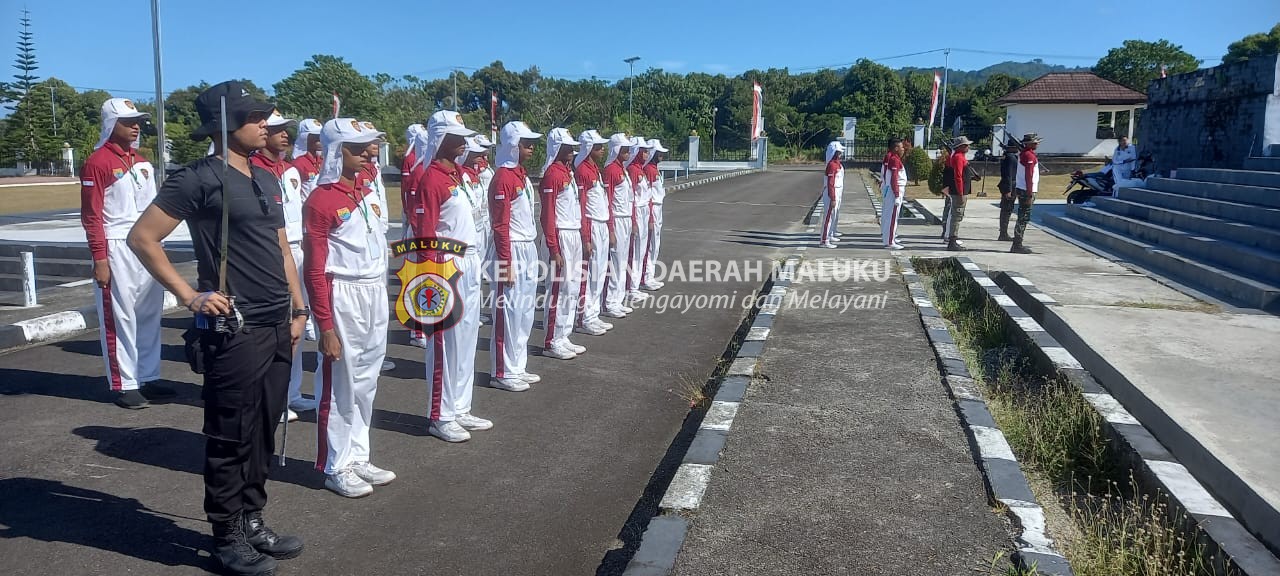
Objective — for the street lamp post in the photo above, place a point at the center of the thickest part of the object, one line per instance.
(632, 91)
(161, 147)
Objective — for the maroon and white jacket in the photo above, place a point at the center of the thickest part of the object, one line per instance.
(116, 186)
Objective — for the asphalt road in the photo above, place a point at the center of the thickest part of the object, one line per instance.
(88, 488)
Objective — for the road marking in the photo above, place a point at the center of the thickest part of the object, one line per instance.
(687, 487)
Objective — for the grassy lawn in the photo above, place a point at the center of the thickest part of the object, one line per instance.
(24, 199)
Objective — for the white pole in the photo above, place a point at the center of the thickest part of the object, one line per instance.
(161, 161)
(455, 90)
(946, 69)
(28, 279)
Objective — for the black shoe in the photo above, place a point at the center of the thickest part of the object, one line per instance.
(153, 390)
(132, 399)
(1004, 237)
(1018, 248)
(266, 541)
(953, 247)
(234, 553)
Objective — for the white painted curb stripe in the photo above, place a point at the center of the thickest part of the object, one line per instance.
(1061, 357)
(742, 367)
(757, 334)
(1028, 324)
(1111, 409)
(1186, 489)
(992, 444)
(719, 416)
(1031, 518)
(52, 326)
(687, 487)
(984, 281)
(1004, 300)
(922, 302)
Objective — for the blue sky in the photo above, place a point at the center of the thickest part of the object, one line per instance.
(96, 44)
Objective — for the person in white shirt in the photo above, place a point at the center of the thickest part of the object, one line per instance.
(1123, 163)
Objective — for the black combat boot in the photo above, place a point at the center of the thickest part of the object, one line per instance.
(1018, 248)
(234, 553)
(953, 246)
(266, 541)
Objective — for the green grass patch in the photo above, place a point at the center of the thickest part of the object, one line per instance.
(1110, 526)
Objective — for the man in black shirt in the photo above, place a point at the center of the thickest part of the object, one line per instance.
(246, 355)
(1008, 173)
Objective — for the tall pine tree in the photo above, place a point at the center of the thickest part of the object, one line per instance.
(26, 60)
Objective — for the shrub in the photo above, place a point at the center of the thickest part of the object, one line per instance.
(918, 165)
(935, 176)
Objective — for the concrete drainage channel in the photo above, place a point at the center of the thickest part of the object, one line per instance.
(675, 490)
(1222, 543)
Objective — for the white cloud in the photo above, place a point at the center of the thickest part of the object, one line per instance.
(672, 64)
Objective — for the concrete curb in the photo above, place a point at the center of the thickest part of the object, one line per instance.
(665, 534)
(1005, 481)
(1154, 464)
(60, 325)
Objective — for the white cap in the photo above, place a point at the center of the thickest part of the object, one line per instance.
(588, 139)
(483, 140)
(832, 148)
(617, 142)
(337, 132)
(474, 145)
(305, 128)
(657, 145)
(448, 122)
(637, 144)
(509, 151)
(276, 119)
(114, 109)
(557, 138)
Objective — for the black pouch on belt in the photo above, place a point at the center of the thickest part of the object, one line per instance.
(193, 350)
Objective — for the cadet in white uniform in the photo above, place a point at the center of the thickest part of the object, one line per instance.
(515, 258)
(597, 231)
(562, 236)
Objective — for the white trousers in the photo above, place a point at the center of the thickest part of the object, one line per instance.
(563, 287)
(597, 267)
(348, 384)
(890, 208)
(513, 308)
(655, 242)
(830, 217)
(619, 263)
(129, 320)
(295, 374)
(639, 247)
(451, 354)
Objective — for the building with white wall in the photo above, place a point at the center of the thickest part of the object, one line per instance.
(1077, 113)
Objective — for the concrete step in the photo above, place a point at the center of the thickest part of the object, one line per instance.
(1244, 260)
(13, 282)
(1252, 235)
(1228, 285)
(1263, 163)
(1241, 177)
(1244, 194)
(1235, 211)
(82, 268)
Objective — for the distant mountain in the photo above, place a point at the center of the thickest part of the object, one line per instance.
(1025, 70)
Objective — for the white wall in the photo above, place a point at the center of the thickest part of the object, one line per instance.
(1066, 128)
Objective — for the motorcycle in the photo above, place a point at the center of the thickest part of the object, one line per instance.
(1086, 185)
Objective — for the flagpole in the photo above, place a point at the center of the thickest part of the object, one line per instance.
(160, 139)
(946, 70)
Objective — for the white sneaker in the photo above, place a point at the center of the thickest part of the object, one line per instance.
(590, 330)
(293, 416)
(448, 431)
(614, 313)
(959, 243)
(419, 342)
(651, 286)
(374, 475)
(626, 309)
(602, 325)
(896, 246)
(304, 405)
(838, 235)
(827, 245)
(486, 318)
(637, 296)
(388, 365)
(575, 348)
(509, 384)
(470, 422)
(345, 483)
(530, 378)
(559, 352)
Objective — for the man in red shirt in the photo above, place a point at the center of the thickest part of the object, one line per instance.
(117, 184)
(622, 204)
(893, 183)
(345, 272)
(515, 258)
(832, 191)
(597, 231)
(657, 196)
(406, 177)
(960, 184)
(562, 232)
(639, 218)
(447, 209)
(1026, 184)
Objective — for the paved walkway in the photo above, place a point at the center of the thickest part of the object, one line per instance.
(846, 456)
(1205, 378)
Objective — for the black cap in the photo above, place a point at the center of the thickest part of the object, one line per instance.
(239, 105)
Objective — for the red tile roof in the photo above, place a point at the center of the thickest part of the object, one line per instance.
(1072, 88)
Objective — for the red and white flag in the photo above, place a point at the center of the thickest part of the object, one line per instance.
(757, 121)
(493, 112)
(337, 104)
(933, 104)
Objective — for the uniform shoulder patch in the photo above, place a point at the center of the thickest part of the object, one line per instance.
(87, 183)
(344, 213)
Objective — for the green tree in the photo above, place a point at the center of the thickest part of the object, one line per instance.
(26, 60)
(1136, 63)
(919, 165)
(308, 92)
(1260, 44)
(38, 135)
(877, 96)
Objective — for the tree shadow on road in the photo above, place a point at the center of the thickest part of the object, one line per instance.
(18, 382)
(50, 511)
(183, 451)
